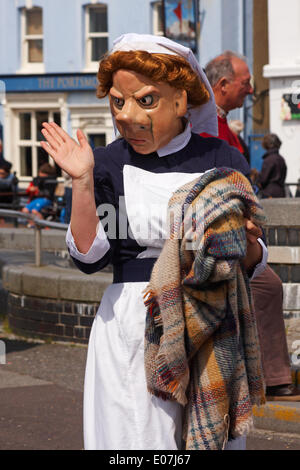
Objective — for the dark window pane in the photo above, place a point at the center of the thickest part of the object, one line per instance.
(99, 47)
(25, 126)
(34, 21)
(58, 169)
(42, 157)
(56, 118)
(98, 19)
(35, 50)
(97, 140)
(41, 116)
(26, 161)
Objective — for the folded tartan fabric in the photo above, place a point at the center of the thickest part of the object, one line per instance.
(201, 342)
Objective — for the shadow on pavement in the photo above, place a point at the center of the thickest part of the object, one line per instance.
(17, 345)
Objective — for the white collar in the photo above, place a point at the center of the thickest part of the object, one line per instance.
(176, 144)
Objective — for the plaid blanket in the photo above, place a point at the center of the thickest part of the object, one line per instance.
(201, 343)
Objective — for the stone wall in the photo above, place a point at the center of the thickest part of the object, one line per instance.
(283, 236)
(57, 320)
(52, 303)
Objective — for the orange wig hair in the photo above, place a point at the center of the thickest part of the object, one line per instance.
(171, 69)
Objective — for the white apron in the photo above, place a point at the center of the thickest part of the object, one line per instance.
(119, 413)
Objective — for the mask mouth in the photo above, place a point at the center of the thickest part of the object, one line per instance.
(136, 131)
(135, 140)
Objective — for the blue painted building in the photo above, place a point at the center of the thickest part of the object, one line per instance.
(49, 54)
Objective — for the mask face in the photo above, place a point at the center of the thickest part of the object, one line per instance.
(147, 114)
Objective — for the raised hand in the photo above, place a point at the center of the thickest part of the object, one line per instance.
(74, 158)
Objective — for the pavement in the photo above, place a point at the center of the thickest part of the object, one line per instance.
(41, 389)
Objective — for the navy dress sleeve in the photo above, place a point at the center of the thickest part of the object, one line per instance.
(103, 194)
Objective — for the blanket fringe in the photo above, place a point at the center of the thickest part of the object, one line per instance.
(153, 307)
(163, 395)
(244, 429)
(175, 394)
(227, 426)
(173, 386)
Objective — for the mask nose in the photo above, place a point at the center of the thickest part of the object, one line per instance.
(131, 114)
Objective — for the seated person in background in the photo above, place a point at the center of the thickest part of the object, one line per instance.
(41, 191)
(7, 182)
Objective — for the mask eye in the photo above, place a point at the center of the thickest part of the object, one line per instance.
(118, 102)
(147, 100)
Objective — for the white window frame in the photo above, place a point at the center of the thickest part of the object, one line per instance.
(26, 66)
(155, 18)
(92, 119)
(89, 64)
(19, 103)
(33, 142)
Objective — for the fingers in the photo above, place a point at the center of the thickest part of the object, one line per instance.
(48, 148)
(48, 126)
(253, 232)
(52, 142)
(55, 136)
(81, 138)
(57, 131)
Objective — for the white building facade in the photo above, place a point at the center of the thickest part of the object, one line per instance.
(283, 72)
(49, 55)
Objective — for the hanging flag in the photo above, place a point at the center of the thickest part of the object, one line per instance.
(178, 12)
(180, 21)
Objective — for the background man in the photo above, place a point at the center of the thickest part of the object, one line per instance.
(230, 79)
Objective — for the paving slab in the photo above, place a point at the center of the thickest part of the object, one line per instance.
(40, 417)
(12, 380)
(279, 416)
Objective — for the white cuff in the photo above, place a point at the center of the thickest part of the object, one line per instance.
(99, 247)
(259, 268)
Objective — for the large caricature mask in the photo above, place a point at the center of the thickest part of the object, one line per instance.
(147, 114)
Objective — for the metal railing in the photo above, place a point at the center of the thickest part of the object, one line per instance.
(38, 225)
(295, 187)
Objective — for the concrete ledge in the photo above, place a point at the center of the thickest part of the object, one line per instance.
(282, 212)
(284, 254)
(291, 296)
(53, 282)
(23, 239)
(280, 417)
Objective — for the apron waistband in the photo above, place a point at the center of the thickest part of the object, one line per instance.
(133, 270)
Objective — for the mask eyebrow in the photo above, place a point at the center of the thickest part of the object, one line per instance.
(147, 90)
(115, 93)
